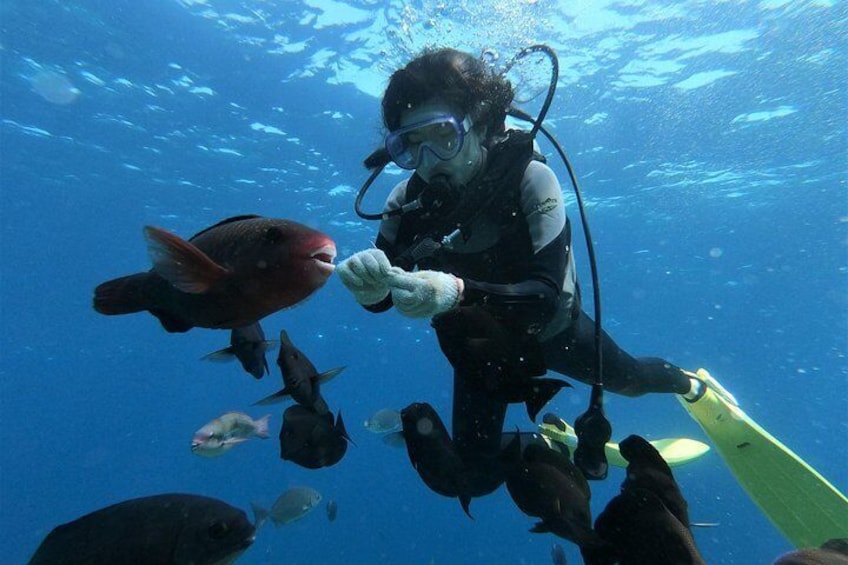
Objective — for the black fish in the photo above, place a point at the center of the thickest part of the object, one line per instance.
(647, 469)
(301, 380)
(248, 345)
(332, 510)
(167, 528)
(649, 521)
(229, 275)
(310, 439)
(640, 530)
(546, 484)
(505, 364)
(433, 454)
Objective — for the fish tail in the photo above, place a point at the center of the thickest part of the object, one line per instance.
(262, 426)
(124, 295)
(260, 514)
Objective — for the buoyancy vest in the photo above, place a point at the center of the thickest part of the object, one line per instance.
(494, 196)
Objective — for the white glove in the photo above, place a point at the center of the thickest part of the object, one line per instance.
(365, 274)
(423, 294)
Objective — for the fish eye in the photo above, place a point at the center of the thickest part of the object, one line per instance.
(274, 235)
(218, 530)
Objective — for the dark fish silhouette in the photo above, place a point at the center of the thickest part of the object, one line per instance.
(301, 380)
(248, 345)
(229, 275)
(558, 555)
(332, 510)
(505, 365)
(310, 439)
(546, 484)
(649, 521)
(640, 530)
(167, 528)
(647, 469)
(832, 552)
(433, 454)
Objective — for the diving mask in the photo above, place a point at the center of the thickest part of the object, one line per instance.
(442, 136)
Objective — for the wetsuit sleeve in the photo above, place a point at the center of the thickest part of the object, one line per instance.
(532, 302)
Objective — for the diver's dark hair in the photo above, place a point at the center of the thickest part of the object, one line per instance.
(455, 77)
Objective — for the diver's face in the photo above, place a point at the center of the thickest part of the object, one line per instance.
(461, 168)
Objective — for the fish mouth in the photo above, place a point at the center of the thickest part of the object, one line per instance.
(324, 257)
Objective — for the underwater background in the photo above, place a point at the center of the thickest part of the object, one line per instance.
(709, 139)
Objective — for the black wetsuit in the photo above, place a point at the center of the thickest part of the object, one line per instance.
(515, 258)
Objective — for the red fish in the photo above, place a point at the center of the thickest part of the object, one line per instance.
(228, 276)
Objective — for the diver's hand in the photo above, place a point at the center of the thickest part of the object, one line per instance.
(423, 294)
(365, 274)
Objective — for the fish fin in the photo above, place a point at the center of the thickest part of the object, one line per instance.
(180, 263)
(223, 222)
(125, 295)
(260, 515)
(278, 396)
(394, 439)
(543, 390)
(465, 502)
(171, 323)
(233, 441)
(585, 537)
(262, 426)
(340, 427)
(327, 376)
(221, 356)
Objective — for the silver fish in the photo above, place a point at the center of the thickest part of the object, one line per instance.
(384, 421)
(226, 431)
(290, 506)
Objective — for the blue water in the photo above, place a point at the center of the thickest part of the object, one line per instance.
(710, 141)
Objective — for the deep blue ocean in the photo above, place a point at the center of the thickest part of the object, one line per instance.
(710, 143)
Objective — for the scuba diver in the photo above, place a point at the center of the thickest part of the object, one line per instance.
(478, 235)
(478, 240)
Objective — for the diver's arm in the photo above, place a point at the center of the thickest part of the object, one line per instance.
(533, 301)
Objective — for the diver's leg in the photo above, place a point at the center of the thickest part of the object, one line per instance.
(477, 423)
(572, 353)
